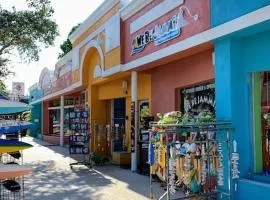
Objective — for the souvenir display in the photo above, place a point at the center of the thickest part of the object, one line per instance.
(79, 135)
(235, 163)
(185, 153)
(172, 170)
(7, 146)
(10, 171)
(12, 126)
(220, 166)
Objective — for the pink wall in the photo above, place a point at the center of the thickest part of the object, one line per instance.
(200, 7)
(182, 73)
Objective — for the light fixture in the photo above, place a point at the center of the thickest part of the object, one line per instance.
(181, 10)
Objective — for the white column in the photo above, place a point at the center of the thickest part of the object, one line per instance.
(134, 98)
(62, 121)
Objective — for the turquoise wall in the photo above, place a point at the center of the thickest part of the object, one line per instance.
(36, 115)
(36, 112)
(34, 94)
(226, 10)
(236, 56)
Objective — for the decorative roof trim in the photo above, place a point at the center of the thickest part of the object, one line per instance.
(132, 8)
(93, 18)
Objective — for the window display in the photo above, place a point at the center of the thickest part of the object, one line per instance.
(265, 118)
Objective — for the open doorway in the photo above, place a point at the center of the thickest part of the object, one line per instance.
(119, 124)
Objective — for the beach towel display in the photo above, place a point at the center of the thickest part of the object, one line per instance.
(10, 171)
(13, 126)
(8, 146)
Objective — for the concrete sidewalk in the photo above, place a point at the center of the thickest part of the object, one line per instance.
(53, 179)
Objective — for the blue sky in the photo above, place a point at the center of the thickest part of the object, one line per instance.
(67, 13)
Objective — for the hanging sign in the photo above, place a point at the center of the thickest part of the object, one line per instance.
(160, 34)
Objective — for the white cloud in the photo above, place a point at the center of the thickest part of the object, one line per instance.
(67, 14)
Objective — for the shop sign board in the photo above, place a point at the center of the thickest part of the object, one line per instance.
(199, 98)
(159, 34)
(18, 88)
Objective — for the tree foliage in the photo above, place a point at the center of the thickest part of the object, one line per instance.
(3, 89)
(66, 46)
(25, 31)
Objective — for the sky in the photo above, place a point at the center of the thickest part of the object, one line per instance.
(67, 14)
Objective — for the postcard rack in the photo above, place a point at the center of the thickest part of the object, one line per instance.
(79, 137)
(189, 160)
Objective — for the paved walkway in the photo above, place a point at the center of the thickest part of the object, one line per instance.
(53, 179)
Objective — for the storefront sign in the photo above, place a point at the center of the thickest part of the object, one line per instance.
(160, 34)
(199, 99)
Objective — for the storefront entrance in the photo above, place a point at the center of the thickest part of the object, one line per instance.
(119, 123)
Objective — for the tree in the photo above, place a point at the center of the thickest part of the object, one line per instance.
(3, 89)
(66, 46)
(26, 32)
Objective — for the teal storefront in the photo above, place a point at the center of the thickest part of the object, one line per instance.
(36, 111)
(242, 81)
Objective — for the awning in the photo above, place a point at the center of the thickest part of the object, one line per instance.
(11, 107)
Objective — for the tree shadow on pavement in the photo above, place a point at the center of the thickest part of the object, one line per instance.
(52, 178)
(50, 184)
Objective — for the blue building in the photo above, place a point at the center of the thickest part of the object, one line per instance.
(36, 111)
(242, 76)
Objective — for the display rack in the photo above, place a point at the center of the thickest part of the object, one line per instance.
(188, 158)
(13, 189)
(79, 137)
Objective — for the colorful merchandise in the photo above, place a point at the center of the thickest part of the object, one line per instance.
(10, 171)
(195, 158)
(7, 146)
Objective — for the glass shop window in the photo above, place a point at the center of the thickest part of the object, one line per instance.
(198, 99)
(261, 109)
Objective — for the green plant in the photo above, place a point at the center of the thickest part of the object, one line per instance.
(99, 159)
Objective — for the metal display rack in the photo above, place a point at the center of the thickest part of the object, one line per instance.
(12, 189)
(211, 142)
(79, 137)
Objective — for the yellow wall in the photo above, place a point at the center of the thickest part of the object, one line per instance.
(91, 60)
(75, 76)
(112, 58)
(113, 89)
(95, 26)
